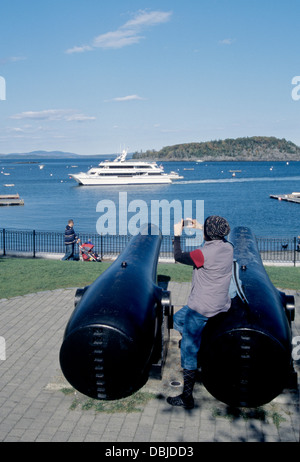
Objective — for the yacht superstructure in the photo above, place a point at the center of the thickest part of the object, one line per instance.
(122, 172)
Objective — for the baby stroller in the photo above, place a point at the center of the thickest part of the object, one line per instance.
(86, 252)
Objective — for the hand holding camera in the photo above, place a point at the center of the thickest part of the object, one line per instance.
(187, 223)
(192, 223)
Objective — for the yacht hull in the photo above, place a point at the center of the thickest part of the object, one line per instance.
(86, 180)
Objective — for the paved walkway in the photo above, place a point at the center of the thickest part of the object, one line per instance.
(37, 404)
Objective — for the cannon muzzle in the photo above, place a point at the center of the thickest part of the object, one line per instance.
(245, 353)
(119, 328)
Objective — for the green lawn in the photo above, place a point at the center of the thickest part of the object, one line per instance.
(284, 277)
(22, 276)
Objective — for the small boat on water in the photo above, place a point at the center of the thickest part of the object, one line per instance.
(234, 172)
(293, 197)
(10, 199)
(122, 172)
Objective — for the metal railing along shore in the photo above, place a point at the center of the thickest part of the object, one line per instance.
(39, 244)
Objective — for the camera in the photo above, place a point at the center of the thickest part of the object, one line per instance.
(188, 223)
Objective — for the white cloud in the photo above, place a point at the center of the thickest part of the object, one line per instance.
(22, 132)
(15, 59)
(145, 19)
(81, 49)
(53, 114)
(117, 39)
(127, 98)
(128, 34)
(12, 59)
(16, 130)
(79, 118)
(227, 41)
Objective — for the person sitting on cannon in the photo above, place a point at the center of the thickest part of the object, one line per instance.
(208, 297)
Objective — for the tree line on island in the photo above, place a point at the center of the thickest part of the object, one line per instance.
(256, 148)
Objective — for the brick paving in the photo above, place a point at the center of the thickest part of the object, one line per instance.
(34, 405)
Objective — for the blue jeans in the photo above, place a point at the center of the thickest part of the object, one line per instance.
(69, 255)
(190, 324)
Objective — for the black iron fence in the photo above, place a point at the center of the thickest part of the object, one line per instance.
(281, 250)
(42, 244)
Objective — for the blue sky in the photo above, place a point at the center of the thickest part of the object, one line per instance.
(92, 77)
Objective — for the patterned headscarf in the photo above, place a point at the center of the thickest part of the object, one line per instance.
(216, 227)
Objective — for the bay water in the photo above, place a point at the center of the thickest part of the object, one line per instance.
(239, 191)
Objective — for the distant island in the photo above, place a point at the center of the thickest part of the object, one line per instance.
(256, 148)
(47, 154)
(39, 154)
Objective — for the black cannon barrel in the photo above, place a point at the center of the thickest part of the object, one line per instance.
(109, 340)
(246, 353)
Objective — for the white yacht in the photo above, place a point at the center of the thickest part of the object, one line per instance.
(122, 172)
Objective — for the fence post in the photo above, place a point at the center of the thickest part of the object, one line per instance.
(295, 249)
(101, 247)
(4, 249)
(33, 242)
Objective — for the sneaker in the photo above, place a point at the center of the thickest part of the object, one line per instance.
(187, 403)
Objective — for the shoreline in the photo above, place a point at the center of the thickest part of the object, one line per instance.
(200, 161)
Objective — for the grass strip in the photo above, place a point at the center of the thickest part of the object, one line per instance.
(21, 276)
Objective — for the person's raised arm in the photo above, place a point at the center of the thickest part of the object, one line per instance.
(194, 258)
